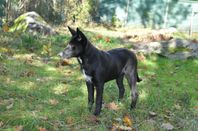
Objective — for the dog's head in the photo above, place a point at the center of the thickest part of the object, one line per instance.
(76, 45)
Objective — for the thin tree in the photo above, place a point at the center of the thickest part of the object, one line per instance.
(166, 13)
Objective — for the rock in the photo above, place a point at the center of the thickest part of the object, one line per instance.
(178, 49)
(167, 126)
(33, 23)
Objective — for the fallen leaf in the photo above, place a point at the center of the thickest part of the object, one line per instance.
(62, 111)
(41, 129)
(10, 103)
(152, 114)
(125, 128)
(111, 106)
(141, 57)
(1, 101)
(27, 74)
(114, 127)
(196, 107)
(53, 102)
(5, 27)
(107, 39)
(44, 118)
(69, 72)
(99, 36)
(117, 119)
(1, 123)
(58, 64)
(9, 106)
(117, 127)
(19, 128)
(64, 62)
(70, 120)
(92, 119)
(150, 122)
(167, 126)
(177, 106)
(127, 121)
(28, 60)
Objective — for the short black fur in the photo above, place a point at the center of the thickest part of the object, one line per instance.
(100, 66)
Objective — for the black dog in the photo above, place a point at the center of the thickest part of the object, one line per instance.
(99, 67)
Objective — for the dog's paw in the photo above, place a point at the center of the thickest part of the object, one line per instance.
(96, 113)
(133, 105)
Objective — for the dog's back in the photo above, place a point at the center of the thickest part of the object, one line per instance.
(114, 61)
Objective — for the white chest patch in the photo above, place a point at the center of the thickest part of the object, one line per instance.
(87, 77)
(80, 60)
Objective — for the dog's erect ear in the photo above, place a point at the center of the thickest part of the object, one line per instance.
(80, 35)
(72, 31)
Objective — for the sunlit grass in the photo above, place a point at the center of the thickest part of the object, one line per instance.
(54, 97)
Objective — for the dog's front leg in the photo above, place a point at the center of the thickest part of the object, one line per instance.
(99, 95)
(90, 89)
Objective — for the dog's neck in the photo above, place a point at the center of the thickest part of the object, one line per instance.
(89, 52)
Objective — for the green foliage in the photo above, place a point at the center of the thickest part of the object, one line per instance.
(115, 22)
(78, 11)
(55, 11)
(28, 41)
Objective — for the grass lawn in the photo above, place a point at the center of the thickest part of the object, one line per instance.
(37, 93)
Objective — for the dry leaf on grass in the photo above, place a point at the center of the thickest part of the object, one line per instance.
(167, 126)
(27, 74)
(141, 57)
(69, 72)
(64, 62)
(92, 119)
(1, 123)
(127, 121)
(41, 129)
(111, 106)
(177, 107)
(10, 103)
(196, 108)
(53, 102)
(19, 128)
(69, 120)
(117, 127)
(28, 60)
(44, 118)
(152, 114)
(9, 106)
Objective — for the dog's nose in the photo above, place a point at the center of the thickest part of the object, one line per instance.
(60, 54)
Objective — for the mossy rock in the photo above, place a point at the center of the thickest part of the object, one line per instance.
(31, 22)
(173, 50)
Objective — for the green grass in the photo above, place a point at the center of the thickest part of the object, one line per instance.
(36, 93)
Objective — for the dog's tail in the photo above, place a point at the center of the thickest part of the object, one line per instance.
(138, 78)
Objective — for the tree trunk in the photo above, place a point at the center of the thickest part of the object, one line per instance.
(191, 24)
(166, 14)
(127, 12)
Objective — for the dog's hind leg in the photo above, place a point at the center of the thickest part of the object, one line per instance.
(120, 84)
(132, 79)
